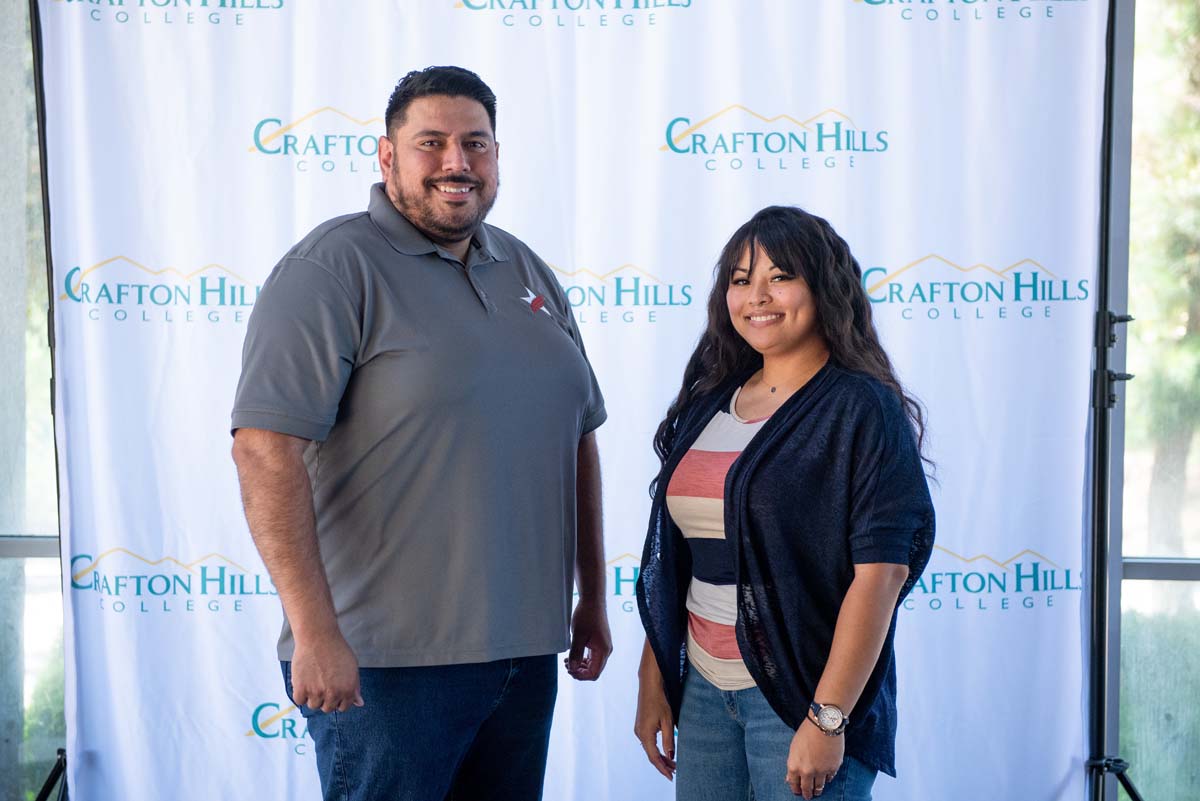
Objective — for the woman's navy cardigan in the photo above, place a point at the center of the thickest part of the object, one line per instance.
(832, 479)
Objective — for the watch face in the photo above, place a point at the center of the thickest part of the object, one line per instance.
(830, 718)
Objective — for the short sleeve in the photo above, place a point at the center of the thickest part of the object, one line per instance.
(594, 413)
(891, 513)
(299, 351)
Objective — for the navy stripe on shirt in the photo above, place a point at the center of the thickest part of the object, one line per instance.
(712, 560)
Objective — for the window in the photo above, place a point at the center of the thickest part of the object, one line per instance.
(1159, 529)
(31, 650)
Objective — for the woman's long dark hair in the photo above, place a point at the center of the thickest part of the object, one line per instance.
(802, 244)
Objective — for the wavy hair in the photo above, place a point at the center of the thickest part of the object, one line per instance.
(804, 245)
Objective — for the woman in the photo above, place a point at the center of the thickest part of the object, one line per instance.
(790, 517)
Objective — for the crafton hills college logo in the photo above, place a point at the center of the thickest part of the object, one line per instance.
(122, 290)
(122, 581)
(562, 15)
(173, 13)
(623, 574)
(739, 138)
(934, 287)
(280, 723)
(625, 294)
(321, 141)
(982, 583)
(976, 11)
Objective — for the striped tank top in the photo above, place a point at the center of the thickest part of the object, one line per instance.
(696, 502)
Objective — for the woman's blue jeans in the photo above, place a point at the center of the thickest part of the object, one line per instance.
(733, 747)
(478, 732)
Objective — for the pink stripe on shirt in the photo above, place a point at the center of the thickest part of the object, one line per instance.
(701, 474)
(717, 639)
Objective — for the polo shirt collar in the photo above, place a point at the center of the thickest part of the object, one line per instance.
(404, 237)
(489, 248)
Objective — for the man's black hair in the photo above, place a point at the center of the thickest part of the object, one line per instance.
(447, 81)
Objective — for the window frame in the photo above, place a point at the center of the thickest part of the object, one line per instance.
(34, 546)
(41, 545)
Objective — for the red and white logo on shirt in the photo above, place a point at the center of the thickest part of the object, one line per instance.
(537, 303)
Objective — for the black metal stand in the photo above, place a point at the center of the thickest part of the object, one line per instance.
(1104, 398)
(1117, 767)
(59, 771)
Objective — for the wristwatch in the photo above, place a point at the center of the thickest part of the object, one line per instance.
(829, 718)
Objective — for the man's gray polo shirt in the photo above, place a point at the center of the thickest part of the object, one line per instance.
(445, 405)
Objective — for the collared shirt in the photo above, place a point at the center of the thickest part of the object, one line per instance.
(445, 403)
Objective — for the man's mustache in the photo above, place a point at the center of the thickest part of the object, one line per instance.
(454, 179)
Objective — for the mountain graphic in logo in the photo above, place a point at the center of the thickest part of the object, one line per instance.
(189, 567)
(1003, 565)
(585, 273)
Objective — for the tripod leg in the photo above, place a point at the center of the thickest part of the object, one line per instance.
(60, 767)
(1134, 795)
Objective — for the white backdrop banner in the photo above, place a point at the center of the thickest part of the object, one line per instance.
(954, 143)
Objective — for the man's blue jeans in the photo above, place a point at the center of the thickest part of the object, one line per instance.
(733, 747)
(477, 731)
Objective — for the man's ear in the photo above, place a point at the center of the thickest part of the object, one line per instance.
(387, 153)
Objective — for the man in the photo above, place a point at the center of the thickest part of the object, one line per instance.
(414, 439)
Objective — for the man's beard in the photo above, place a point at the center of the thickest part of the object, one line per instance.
(438, 226)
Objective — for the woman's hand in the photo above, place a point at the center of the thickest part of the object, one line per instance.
(654, 717)
(813, 760)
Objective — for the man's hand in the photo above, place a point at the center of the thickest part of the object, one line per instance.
(279, 510)
(589, 624)
(813, 760)
(589, 630)
(325, 674)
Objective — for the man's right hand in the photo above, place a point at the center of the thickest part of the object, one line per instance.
(325, 674)
(277, 495)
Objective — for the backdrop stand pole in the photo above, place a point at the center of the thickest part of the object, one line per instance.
(1099, 764)
(59, 769)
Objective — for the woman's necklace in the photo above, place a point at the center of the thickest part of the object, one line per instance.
(791, 386)
(773, 388)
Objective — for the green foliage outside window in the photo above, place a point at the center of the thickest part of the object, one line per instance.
(1160, 721)
(1163, 418)
(45, 726)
